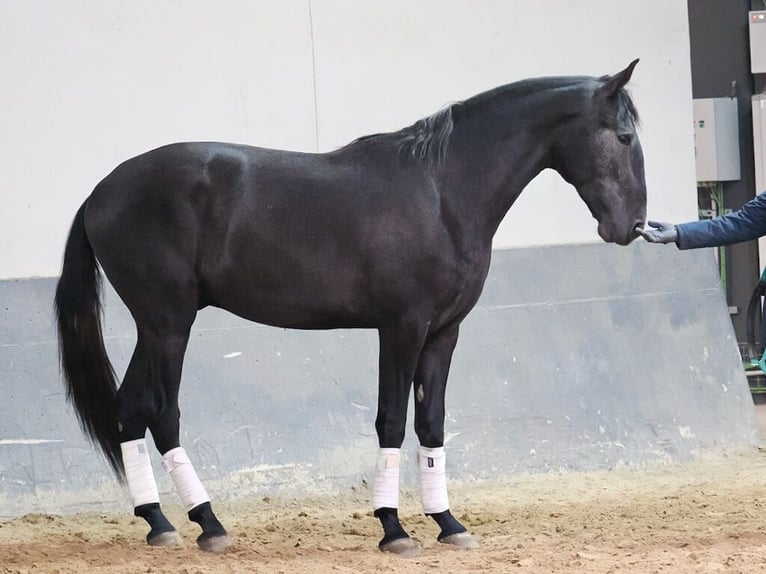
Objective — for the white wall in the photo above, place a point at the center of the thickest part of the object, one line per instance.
(86, 85)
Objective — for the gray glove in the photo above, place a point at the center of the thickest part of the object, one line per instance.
(662, 232)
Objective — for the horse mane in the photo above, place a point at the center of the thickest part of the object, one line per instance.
(428, 138)
(538, 85)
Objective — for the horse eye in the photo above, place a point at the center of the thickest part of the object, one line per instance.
(625, 139)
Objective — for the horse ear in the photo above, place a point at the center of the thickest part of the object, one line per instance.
(611, 85)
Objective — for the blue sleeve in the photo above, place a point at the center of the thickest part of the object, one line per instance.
(748, 222)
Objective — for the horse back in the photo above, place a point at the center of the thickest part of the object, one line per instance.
(284, 238)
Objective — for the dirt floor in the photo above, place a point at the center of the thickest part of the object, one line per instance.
(707, 516)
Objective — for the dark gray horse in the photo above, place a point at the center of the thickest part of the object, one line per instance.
(391, 232)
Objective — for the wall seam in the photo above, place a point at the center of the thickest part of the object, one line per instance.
(314, 78)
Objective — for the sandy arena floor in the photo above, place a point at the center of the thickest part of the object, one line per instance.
(704, 517)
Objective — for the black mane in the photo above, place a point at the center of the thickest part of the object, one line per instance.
(428, 138)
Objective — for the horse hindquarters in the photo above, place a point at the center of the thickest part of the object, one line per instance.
(157, 282)
(163, 301)
(148, 397)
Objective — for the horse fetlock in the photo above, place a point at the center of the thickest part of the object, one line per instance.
(162, 532)
(214, 537)
(392, 528)
(395, 539)
(206, 518)
(449, 524)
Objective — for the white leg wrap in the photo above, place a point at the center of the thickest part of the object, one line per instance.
(188, 484)
(433, 479)
(385, 488)
(138, 472)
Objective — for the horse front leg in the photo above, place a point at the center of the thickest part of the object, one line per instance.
(400, 346)
(430, 387)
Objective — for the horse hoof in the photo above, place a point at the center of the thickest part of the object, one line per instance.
(169, 538)
(461, 540)
(214, 544)
(403, 547)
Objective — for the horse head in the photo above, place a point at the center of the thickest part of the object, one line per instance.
(598, 152)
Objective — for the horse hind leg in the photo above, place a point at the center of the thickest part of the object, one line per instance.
(134, 408)
(192, 492)
(196, 500)
(165, 428)
(149, 398)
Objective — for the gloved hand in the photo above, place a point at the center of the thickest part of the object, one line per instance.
(662, 232)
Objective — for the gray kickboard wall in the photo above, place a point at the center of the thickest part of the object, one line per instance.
(577, 357)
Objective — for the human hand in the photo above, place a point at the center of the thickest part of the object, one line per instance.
(662, 232)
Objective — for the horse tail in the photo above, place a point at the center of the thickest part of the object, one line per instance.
(91, 384)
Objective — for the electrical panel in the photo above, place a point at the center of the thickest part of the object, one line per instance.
(758, 41)
(759, 152)
(716, 139)
(759, 141)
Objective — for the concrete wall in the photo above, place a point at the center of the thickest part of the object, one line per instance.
(576, 357)
(87, 85)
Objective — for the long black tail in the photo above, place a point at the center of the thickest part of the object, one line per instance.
(90, 380)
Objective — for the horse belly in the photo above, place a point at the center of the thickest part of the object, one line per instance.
(286, 294)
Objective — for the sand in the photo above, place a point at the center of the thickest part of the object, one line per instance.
(705, 516)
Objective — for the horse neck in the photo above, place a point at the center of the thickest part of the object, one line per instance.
(496, 152)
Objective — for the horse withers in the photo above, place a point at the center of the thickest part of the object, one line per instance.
(391, 232)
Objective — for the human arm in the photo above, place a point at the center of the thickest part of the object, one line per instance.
(748, 222)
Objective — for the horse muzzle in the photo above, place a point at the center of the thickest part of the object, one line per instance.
(611, 234)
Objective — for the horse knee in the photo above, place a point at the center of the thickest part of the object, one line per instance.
(390, 433)
(430, 434)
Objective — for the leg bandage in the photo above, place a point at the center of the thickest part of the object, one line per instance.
(385, 488)
(138, 472)
(188, 485)
(433, 479)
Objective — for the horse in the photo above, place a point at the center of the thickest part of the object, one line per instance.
(391, 232)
